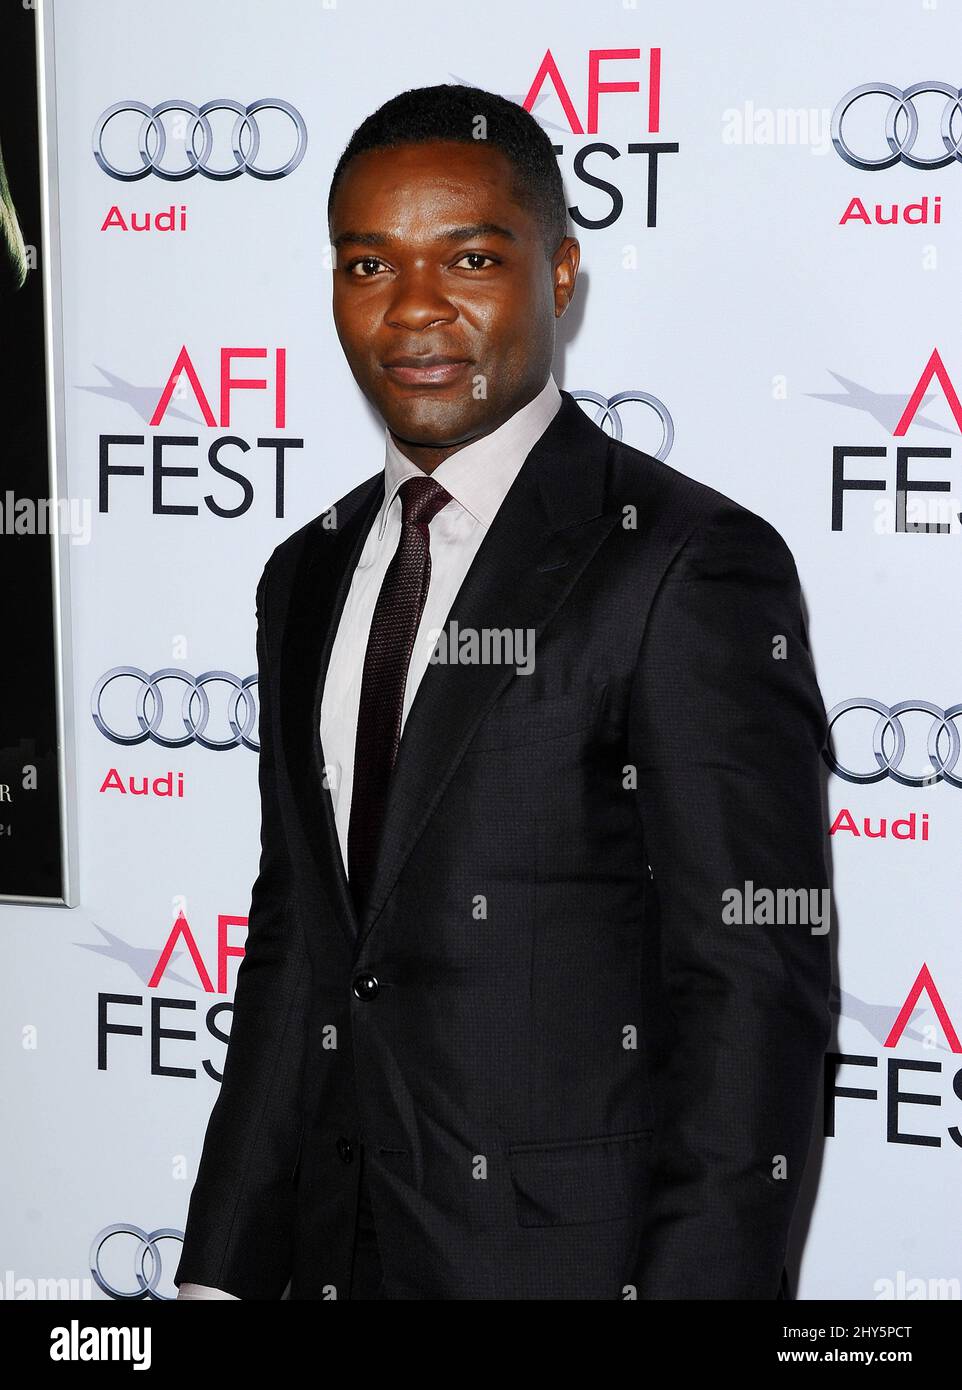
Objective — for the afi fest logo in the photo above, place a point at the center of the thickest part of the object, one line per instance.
(124, 1019)
(614, 75)
(912, 1085)
(912, 504)
(233, 469)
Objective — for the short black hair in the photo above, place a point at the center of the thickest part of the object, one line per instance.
(451, 112)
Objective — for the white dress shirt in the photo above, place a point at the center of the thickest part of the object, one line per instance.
(478, 478)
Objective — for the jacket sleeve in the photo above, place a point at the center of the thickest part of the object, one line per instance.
(726, 729)
(240, 1221)
(201, 1291)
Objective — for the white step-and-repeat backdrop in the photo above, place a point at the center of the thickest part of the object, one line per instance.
(768, 200)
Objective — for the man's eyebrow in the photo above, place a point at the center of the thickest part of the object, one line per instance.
(450, 234)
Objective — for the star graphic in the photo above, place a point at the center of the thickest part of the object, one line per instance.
(877, 1019)
(141, 399)
(887, 409)
(142, 960)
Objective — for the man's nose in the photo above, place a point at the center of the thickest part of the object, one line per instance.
(418, 301)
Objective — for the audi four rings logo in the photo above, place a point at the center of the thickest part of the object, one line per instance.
(942, 746)
(901, 127)
(151, 143)
(144, 1278)
(194, 708)
(608, 410)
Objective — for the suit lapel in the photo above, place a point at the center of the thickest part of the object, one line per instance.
(320, 586)
(546, 530)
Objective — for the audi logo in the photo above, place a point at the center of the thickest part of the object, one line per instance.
(245, 141)
(901, 127)
(195, 695)
(145, 1277)
(608, 410)
(889, 742)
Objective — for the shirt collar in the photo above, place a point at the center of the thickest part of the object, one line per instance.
(479, 475)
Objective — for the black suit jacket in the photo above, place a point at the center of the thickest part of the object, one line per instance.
(570, 1077)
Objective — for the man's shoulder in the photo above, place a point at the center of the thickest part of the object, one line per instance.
(677, 510)
(320, 529)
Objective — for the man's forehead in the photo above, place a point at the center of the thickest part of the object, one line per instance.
(431, 230)
(419, 207)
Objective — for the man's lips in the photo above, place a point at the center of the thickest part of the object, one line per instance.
(429, 370)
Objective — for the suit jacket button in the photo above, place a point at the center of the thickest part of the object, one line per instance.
(366, 986)
(345, 1150)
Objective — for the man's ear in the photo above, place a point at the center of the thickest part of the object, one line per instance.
(565, 264)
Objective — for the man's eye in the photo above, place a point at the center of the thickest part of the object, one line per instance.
(365, 267)
(366, 261)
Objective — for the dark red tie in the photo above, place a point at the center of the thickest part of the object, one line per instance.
(390, 643)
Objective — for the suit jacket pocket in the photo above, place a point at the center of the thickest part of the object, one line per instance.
(572, 1181)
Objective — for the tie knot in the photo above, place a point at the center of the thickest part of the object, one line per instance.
(421, 499)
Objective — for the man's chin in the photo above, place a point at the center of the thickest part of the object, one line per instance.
(434, 424)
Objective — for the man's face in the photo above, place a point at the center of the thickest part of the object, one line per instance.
(435, 259)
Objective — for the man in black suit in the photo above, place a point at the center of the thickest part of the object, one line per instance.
(498, 1032)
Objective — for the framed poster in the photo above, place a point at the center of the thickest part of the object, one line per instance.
(37, 858)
